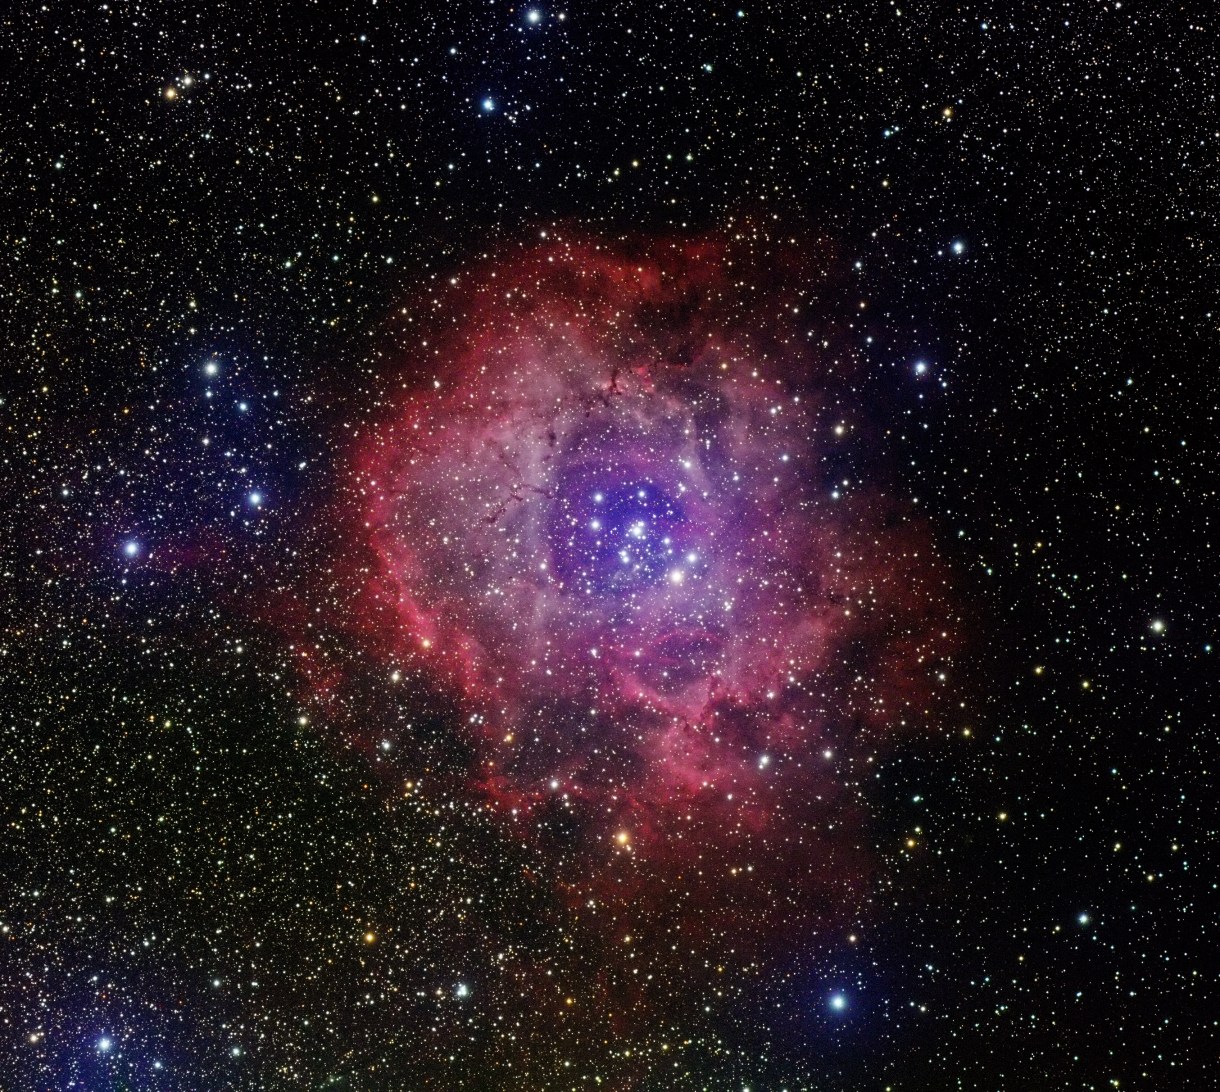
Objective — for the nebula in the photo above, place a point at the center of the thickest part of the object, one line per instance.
(608, 520)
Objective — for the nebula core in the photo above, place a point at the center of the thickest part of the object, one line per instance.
(611, 524)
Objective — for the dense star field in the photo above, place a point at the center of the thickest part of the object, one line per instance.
(632, 547)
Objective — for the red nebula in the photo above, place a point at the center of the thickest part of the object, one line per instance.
(602, 516)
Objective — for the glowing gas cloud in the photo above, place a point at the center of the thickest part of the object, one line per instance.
(608, 514)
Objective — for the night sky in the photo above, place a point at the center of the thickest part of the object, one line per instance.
(627, 546)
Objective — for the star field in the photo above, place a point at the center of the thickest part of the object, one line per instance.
(633, 547)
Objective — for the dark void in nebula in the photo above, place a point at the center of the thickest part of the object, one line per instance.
(608, 516)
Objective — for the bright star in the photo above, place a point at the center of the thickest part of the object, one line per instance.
(838, 1002)
(104, 1044)
(131, 549)
(489, 104)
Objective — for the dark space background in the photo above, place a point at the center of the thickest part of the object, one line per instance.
(1026, 194)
